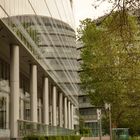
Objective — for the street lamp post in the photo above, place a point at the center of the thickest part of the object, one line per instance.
(108, 107)
(99, 117)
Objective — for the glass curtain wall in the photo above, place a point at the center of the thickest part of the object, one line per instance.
(44, 31)
(24, 98)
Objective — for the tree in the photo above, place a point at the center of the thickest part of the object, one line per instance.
(119, 4)
(111, 64)
(82, 128)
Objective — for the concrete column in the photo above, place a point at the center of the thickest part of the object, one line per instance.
(46, 101)
(65, 113)
(54, 107)
(14, 90)
(8, 112)
(33, 92)
(61, 110)
(72, 125)
(69, 115)
(51, 115)
(22, 107)
(40, 111)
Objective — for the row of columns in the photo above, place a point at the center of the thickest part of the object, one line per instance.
(14, 98)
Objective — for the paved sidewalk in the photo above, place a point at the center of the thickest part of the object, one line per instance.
(96, 138)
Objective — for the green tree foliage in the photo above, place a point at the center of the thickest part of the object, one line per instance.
(118, 4)
(85, 131)
(111, 65)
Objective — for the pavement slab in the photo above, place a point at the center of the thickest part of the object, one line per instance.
(96, 138)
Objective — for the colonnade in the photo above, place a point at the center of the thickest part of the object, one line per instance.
(66, 121)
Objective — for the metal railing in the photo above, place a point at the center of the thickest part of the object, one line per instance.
(4, 133)
(84, 105)
(26, 128)
(90, 117)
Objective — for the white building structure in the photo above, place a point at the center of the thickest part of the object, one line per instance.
(38, 68)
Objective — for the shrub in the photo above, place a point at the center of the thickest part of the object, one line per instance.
(73, 137)
(34, 137)
(85, 131)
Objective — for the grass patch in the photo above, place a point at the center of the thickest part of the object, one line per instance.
(134, 138)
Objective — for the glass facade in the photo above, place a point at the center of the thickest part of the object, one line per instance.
(4, 70)
(48, 32)
(58, 9)
(4, 94)
(42, 32)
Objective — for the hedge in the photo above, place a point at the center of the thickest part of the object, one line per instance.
(35, 137)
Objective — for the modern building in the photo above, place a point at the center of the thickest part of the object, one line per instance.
(39, 83)
(87, 111)
(88, 114)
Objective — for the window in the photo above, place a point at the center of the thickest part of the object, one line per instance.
(4, 70)
(2, 113)
(27, 110)
(84, 99)
(24, 83)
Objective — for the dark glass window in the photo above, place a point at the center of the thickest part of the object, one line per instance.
(84, 99)
(27, 111)
(4, 70)
(2, 113)
(24, 83)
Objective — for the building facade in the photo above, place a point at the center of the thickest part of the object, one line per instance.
(38, 68)
(87, 111)
(88, 114)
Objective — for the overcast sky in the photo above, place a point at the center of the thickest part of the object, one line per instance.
(85, 9)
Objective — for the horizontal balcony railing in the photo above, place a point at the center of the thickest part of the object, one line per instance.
(89, 117)
(26, 128)
(4, 133)
(85, 105)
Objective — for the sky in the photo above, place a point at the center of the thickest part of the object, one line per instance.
(85, 9)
